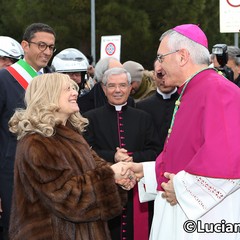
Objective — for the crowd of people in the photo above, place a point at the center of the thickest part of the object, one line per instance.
(116, 151)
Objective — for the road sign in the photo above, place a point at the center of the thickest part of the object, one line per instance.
(229, 16)
(111, 46)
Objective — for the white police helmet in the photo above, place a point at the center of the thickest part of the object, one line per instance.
(70, 60)
(10, 48)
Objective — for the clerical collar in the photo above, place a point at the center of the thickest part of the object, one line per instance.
(167, 95)
(119, 107)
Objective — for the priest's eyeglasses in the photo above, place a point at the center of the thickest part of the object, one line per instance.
(122, 86)
(42, 46)
(160, 57)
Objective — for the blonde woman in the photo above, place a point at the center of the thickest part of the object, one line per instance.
(62, 189)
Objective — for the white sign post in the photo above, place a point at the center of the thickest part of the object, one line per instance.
(229, 16)
(111, 46)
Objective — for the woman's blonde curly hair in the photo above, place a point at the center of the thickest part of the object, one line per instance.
(41, 99)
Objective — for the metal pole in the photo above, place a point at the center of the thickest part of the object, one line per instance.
(93, 37)
(236, 39)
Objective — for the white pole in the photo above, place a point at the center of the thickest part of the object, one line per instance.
(236, 39)
(93, 37)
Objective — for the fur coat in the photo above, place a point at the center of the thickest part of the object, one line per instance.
(62, 190)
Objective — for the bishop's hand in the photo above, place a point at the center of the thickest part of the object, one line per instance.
(169, 193)
(126, 180)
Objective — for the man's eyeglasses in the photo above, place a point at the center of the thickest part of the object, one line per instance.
(42, 46)
(160, 57)
(121, 86)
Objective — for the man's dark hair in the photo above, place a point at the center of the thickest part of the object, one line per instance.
(36, 27)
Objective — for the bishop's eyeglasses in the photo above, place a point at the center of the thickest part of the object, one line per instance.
(160, 57)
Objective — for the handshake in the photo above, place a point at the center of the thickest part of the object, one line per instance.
(127, 174)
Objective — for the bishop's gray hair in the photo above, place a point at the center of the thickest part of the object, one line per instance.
(199, 54)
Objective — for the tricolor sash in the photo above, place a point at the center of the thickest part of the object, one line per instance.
(22, 72)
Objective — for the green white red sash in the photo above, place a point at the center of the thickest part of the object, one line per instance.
(22, 72)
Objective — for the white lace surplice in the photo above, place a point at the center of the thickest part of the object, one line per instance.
(205, 201)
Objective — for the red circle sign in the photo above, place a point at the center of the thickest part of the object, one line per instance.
(110, 49)
(233, 4)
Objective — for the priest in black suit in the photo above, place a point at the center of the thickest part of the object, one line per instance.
(118, 132)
